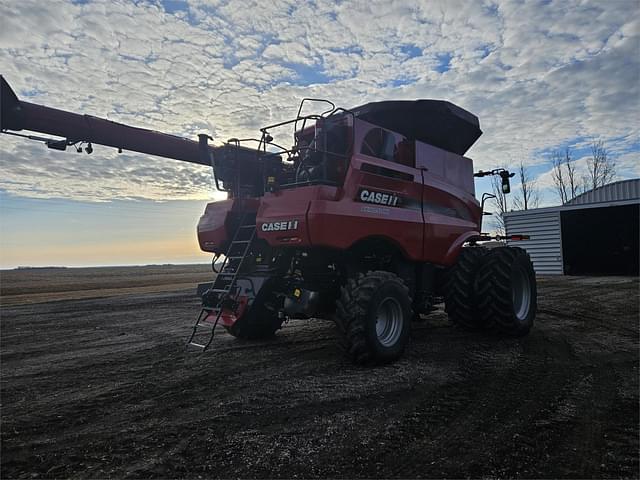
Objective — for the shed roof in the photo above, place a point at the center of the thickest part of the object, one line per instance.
(612, 192)
(623, 192)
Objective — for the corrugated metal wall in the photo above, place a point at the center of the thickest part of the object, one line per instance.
(545, 245)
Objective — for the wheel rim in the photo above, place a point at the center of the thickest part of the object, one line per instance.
(388, 321)
(521, 293)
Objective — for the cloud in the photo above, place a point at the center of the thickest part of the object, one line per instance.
(31, 170)
(538, 74)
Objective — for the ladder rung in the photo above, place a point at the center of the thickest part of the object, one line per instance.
(226, 274)
(236, 242)
(219, 290)
(247, 226)
(235, 257)
(205, 325)
(197, 345)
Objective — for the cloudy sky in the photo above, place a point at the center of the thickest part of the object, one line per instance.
(541, 76)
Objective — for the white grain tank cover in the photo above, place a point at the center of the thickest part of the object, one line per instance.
(545, 245)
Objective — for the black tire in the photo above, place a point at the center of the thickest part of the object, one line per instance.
(259, 321)
(362, 300)
(507, 292)
(460, 298)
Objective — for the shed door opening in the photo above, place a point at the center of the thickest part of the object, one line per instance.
(601, 241)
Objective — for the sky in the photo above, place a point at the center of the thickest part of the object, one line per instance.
(540, 75)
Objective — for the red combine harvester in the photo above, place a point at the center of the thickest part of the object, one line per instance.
(370, 218)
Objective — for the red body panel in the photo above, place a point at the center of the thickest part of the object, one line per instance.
(214, 226)
(436, 211)
(455, 170)
(288, 206)
(228, 316)
(342, 223)
(451, 216)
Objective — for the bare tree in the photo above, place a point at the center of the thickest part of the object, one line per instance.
(558, 176)
(564, 175)
(601, 167)
(501, 204)
(528, 196)
(572, 179)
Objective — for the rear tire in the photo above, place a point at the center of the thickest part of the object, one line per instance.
(459, 290)
(507, 292)
(374, 315)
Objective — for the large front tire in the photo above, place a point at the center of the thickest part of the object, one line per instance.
(507, 292)
(374, 315)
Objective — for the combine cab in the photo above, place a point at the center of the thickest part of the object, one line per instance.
(370, 218)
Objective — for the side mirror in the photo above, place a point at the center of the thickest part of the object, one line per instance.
(506, 184)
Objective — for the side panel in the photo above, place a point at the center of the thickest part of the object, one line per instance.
(451, 217)
(364, 211)
(381, 197)
(212, 231)
(451, 212)
(215, 223)
(453, 169)
(332, 217)
(282, 216)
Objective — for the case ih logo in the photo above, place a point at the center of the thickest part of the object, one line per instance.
(379, 198)
(280, 226)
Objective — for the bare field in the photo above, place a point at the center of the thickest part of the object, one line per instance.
(37, 285)
(102, 387)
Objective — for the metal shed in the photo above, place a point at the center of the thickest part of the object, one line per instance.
(594, 233)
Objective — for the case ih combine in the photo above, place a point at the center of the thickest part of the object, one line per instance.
(370, 218)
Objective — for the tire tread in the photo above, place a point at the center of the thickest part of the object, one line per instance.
(351, 310)
(494, 289)
(459, 290)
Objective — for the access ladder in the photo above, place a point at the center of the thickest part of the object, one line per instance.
(224, 285)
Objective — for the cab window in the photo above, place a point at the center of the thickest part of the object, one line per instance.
(381, 143)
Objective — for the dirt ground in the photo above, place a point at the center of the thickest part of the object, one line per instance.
(102, 387)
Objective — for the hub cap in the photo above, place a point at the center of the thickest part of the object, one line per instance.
(388, 321)
(521, 293)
